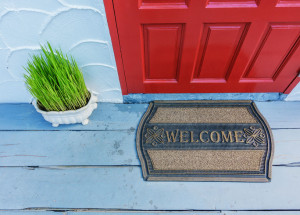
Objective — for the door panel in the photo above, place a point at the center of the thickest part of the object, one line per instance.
(198, 46)
(163, 3)
(273, 50)
(231, 3)
(288, 3)
(163, 45)
(220, 43)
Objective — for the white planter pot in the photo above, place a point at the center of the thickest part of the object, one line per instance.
(69, 117)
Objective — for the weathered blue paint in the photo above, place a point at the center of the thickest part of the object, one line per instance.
(146, 98)
(107, 116)
(261, 212)
(150, 213)
(190, 213)
(110, 116)
(85, 169)
(124, 188)
(103, 148)
(67, 148)
(32, 212)
(71, 211)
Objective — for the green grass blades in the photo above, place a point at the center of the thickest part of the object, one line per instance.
(55, 81)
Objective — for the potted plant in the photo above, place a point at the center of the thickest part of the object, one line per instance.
(58, 88)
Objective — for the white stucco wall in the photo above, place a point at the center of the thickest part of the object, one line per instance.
(78, 27)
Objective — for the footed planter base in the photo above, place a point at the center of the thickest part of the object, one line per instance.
(69, 117)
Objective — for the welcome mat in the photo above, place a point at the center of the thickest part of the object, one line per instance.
(204, 141)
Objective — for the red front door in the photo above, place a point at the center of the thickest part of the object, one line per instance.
(208, 46)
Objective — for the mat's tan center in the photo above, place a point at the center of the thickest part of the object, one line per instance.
(218, 160)
(203, 115)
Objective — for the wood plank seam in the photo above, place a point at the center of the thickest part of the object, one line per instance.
(120, 210)
(62, 167)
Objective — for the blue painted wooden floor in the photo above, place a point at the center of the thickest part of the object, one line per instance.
(94, 169)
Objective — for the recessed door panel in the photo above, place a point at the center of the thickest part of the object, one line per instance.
(163, 3)
(273, 51)
(162, 44)
(218, 50)
(288, 3)
(232, 3)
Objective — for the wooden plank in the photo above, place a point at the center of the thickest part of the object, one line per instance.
(260, 213)
(46, 148)
(22, 212)
(281, 114)
(190, 213)
(124, 188)
(127, 116)
(114, 212)
(287, 146)
(107, 116)
(38, 148)
(149, 213)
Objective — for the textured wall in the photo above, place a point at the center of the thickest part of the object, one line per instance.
(79, 27)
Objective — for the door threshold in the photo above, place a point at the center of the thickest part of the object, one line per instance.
(146, 98)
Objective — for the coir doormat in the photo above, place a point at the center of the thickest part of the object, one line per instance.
(204, 141)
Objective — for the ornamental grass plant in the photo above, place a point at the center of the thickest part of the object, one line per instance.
(55, 81)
